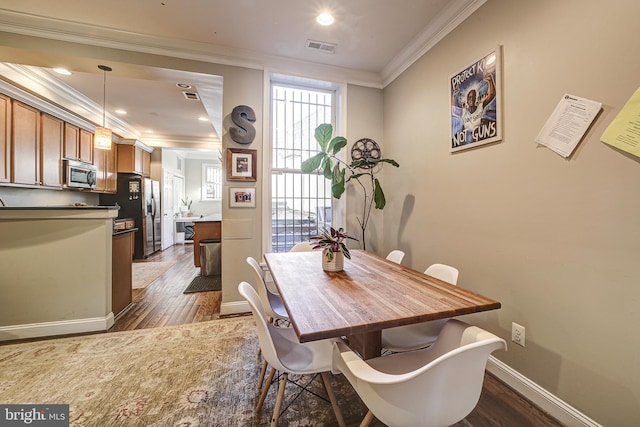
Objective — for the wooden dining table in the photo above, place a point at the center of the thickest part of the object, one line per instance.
(369, 295)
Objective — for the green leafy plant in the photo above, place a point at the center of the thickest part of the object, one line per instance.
(340, 172)
(331, 241)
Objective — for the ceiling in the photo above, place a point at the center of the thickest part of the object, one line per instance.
(374, 41)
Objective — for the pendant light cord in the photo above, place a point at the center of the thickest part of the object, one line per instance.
(104, 97)
(104, 69)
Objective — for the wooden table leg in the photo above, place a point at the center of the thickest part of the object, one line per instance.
(368, 345)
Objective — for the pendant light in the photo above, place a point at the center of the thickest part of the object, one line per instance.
(102, 137)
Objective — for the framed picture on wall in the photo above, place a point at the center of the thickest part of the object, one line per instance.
(241, 164)
(476, 92)
(242, 197)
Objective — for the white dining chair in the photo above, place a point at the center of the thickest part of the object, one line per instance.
(283, 352)
(302, 247)
(273, 306)
(272, 302)
(419, 335)
(433, 387)
(396, 256)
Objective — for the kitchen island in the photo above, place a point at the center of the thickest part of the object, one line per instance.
(55, 270)
(206, 227)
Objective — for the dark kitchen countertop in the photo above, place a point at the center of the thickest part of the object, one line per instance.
(63, 212)
(59, 207)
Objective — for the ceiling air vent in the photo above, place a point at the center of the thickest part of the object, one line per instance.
(321, 46)
(192, 96)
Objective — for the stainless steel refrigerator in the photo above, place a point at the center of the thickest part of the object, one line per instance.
(139, 199)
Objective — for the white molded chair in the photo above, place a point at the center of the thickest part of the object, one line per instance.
(285, 353)
(420, 335)
(302, 247)
(396, 256)
(443, 272)
(272, 302)
(433, 387)
(273, 306)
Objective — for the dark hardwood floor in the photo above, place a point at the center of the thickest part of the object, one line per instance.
(162, 303)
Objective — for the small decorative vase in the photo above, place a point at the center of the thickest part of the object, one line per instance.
(336, 264)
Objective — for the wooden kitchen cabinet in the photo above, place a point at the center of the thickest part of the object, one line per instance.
(5, 138)
(133, 158)
(86, 146)
(111, 175)
(106, 170)
(121, 271)
(25, 144)
(36, 163)
(71, 149)
(51, 143)
(78, 144)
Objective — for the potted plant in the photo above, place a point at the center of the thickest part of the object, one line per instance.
(186, 204)
(361, 170)
(334, 249)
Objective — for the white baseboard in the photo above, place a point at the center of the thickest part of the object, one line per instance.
(542, 398)
(236, 307)
(47, 329)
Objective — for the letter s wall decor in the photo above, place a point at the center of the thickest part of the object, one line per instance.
(243, 116)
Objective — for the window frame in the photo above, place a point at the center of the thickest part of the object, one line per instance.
(204, 182)
(339, 206)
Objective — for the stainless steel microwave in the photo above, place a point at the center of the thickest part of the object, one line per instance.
(78, 174)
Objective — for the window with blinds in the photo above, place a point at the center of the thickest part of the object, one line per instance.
(301, 203)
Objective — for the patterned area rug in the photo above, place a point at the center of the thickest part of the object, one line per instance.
(145, 273)
(204, 284)
(198, 375)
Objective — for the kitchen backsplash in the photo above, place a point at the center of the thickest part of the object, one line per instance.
(27, 197)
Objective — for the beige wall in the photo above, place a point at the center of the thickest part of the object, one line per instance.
(364, 120)
(556, 240)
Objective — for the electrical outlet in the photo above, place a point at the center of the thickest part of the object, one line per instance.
(517, 333)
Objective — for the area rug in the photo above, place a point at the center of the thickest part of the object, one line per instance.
(201, 374)
(145, 273)
(204, 284)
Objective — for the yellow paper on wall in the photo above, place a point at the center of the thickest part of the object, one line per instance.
(624, 130)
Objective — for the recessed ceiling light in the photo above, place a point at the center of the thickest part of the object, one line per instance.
(62, 71)
(148, 131)
(203, 119)
(325, 19)
(123, 112)
(212, 135)
(183, 85)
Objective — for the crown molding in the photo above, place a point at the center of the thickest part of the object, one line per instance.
(453, 15)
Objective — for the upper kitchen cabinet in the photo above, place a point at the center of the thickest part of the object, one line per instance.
(51, 142)
(5, 138)
(134, 157)
(106, 170)
(36, 147)
(78, 143)
(86, 146)
(25, 144)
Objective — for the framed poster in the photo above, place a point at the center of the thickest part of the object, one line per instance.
(476, 92)
(241, 164)
(242, 197)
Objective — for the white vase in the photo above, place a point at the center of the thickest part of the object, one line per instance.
(336, 264)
